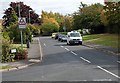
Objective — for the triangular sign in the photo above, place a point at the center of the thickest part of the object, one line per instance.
(22, 21)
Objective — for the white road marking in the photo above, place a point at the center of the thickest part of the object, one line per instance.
(34, 60)
(62, 46)
(108, 72)
(73, 53)
(118, 61)
(67, 49)
(85, 59)
(44, 44)
(102, 80)
(41, 54)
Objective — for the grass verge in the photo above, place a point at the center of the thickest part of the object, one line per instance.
(5, 67)
(19, 45)
(102, 39)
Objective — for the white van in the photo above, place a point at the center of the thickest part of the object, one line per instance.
(74, 37)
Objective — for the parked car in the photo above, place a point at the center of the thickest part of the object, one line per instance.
(56, 36)
(59, 37)
(64, 38)
(74, 37)
(53, 35)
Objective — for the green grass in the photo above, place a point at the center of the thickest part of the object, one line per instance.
(102, 39)
(19, 45)
(5, 67)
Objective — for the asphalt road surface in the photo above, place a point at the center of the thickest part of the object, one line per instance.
(62, 62)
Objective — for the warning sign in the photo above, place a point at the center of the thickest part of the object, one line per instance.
(22, 23)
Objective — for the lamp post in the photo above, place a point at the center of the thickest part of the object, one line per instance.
(29, 15)
(21, 29)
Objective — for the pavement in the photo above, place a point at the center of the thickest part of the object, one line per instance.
(34, 55)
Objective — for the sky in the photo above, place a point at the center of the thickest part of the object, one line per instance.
(62, 6)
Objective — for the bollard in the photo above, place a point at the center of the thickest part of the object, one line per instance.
(28, 43)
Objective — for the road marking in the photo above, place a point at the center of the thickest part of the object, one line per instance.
(108, 72)
(102, 80)
(85, 59)
(41, 54)
(67, 49)
(62, 46)
(34, 60)
(118, 61)
(73, 53)
(44, 44)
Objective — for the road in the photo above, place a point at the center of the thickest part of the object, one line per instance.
(68, 63)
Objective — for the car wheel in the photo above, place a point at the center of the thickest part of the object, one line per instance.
(80, 43)
(67, 44)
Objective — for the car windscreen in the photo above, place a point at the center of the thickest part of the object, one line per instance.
(74, 35)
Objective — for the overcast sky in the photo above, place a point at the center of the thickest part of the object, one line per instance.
(62, 6)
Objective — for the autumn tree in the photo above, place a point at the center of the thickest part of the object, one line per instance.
(59, 18)
(49, 23)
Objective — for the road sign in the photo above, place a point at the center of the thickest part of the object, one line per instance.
(22, 23)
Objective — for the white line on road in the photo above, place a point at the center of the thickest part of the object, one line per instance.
(73, 53)
(62, 46)
(85, 59)
(67, 49)
(118, 61)
(44, 44)
(108, 72)
(41, 55)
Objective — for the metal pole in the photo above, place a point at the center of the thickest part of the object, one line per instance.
(21, 39)
(21, 29)
(29, 16)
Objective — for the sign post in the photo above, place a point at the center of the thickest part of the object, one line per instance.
(22, 25)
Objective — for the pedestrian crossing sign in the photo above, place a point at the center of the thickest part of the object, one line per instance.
(22, 23)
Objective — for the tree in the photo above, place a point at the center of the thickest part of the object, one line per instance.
(56, 16)
(10, 17)
(51, 22)
(112, 10)
(88, 17)
(49, 28)
(24, 12)
(68, 22)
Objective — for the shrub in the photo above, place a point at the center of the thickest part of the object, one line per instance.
(6, 47)
(14, 33)
(21, 53)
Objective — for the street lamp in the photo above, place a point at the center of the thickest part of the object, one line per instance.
(21, 29)
(29, 15)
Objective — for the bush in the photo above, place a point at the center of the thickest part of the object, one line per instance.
(14, 33)
(21, 53)
(6, 47)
